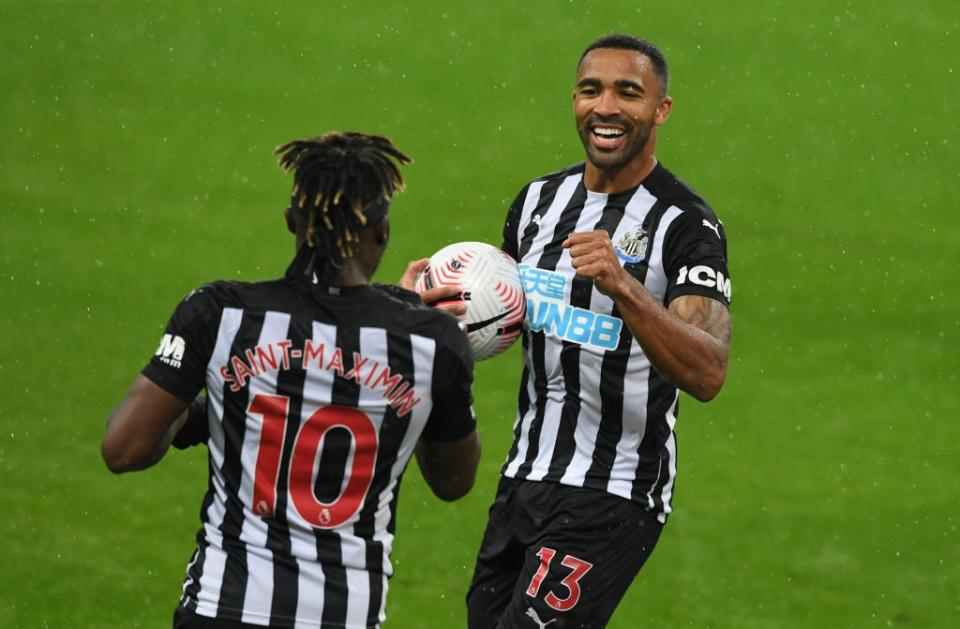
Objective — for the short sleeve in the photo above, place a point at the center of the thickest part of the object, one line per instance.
(695, 258)
(511, 225)
(180, 362)
(452, 416)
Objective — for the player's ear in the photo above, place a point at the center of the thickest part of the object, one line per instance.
(291, 225)
(663, 111)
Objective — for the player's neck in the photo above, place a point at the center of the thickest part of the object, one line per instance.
(624, 178)
(352, 274)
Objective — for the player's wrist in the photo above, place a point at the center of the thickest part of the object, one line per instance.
(622, 286)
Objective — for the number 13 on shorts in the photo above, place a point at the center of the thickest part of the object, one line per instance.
(578, 568)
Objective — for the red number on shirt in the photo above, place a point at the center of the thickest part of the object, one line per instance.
(546, 556)
(274, 410)
(306, 448)
(578, 568)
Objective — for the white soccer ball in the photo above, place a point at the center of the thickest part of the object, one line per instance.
(491, 287)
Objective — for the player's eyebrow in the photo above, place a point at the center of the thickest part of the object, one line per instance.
(588, 81)
(630, 84)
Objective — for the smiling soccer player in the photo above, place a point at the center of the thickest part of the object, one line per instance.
(625, 272)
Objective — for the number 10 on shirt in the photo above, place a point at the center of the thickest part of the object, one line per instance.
(306, 447)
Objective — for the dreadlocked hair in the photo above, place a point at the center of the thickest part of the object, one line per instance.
(335, 178)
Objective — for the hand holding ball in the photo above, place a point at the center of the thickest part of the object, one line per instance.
(487, 281)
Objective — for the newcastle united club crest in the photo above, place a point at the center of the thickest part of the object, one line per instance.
(632, 248)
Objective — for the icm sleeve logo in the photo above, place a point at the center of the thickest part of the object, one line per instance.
(705, 276)
(171, 350)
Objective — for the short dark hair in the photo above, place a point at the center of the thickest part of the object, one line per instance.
(620, 41)
(340, 181)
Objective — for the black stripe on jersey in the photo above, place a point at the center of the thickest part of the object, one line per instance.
(392, 431)
(189, 599)
(653, 472)
(540, 388)
(523, 405)
(580, 292)
(613, 371)
(332, 470)
(234, 584)
(290, 383)
(547, 194)
(564, 227)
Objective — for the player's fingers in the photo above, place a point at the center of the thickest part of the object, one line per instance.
(446, 298)
(441, 294)
(589, 271)
(595, 236)
(582, 249)
(409, 278)
(456, 308)
(587, 257)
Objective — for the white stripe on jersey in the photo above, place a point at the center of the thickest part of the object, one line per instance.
(229, 326)
(259, 593)
(530, 202)
(358, 597)
(310, 584)
(208, 597)
(656, 281)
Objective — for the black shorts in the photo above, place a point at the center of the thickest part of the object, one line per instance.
(557, 556)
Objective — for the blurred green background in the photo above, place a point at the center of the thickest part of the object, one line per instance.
(819, 490)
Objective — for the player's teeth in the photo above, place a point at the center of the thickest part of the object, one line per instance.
(609, 132)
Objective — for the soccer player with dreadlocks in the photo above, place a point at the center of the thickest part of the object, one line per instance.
(319, 389)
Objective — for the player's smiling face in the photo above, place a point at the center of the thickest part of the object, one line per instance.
(617, 102)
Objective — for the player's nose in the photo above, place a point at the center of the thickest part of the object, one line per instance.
(607, 104)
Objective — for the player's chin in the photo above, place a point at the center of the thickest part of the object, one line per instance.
(607, 159)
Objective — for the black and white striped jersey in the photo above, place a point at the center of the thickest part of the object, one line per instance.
(316, 399)
(592, 411)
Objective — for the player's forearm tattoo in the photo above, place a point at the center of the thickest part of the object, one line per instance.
(709, 315)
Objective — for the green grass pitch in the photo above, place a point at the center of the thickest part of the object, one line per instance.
(819, 490)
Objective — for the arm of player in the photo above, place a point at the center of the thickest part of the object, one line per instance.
(689, 343)
(449, 468)
(141, 428)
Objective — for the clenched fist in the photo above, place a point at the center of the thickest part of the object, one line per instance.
(592, 255)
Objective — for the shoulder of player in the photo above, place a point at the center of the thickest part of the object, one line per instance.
(409, 308)
(563, 173)
(419, 318)
(671, 191)
(220, 294)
